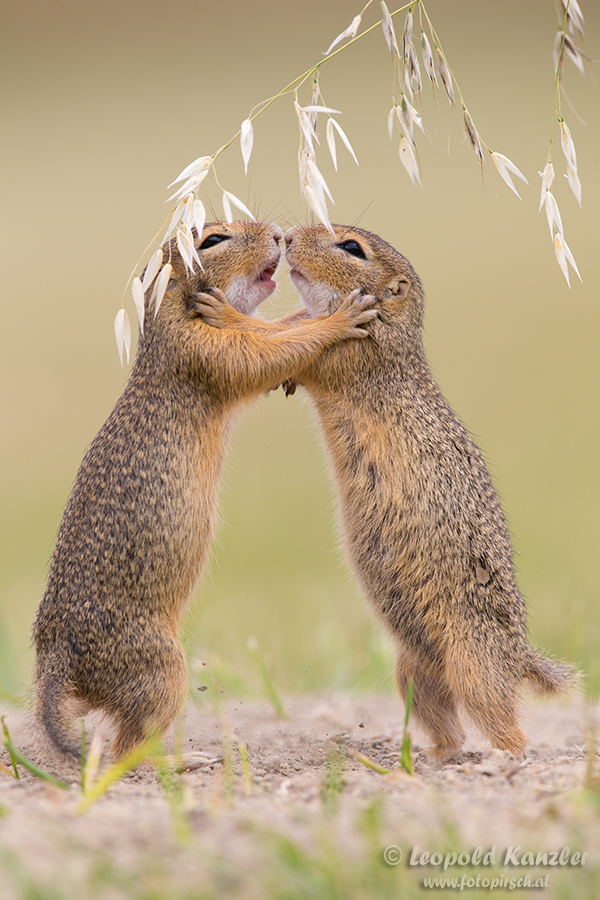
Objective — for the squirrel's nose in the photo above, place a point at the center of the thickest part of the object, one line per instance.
(276, 232)
(290, 235)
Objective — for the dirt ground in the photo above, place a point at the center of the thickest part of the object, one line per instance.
(487, 799)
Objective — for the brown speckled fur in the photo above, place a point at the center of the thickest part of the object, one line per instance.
(137, 527)
(422, 523)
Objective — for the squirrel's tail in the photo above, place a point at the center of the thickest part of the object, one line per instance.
(547, 676)
(57, 711)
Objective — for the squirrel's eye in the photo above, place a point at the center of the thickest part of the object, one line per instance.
(212, 240)
(353, 248)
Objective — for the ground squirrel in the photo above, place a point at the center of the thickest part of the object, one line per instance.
(422, 522)
(137, 527)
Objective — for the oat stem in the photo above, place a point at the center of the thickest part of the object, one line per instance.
(297, 82)
(556, 105)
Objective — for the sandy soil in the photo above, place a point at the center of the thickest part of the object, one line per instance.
(486, 799)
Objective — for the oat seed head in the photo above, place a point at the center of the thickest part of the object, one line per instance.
(123, 334)
(388, 30)
(331, 124)
(137, 290)
(553, 214)
(176, 217)
(228, 199)
(185, 245)
(195, 168)
(160, 287)
(427, 57)
(547, 178)
(564, 256)
(318, 207)
(409, 160)
(505, 166)
(390, 121)
(199, 216)
(445, 75)
(349, 33)
(567, 145)
(246, 141)
(152, 269)
(574, 183)
(473, 136)
(574, 15)
(572, 50)
(414, 71)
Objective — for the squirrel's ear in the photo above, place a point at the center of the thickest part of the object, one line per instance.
(397, 289)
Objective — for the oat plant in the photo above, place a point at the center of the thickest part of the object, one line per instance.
(418, 38)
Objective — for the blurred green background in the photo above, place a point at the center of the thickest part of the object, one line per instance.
(102, 106)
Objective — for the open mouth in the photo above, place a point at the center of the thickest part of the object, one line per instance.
(267, 274)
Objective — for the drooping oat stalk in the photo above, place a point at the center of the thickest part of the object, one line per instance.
(189, 211)
(572, 20)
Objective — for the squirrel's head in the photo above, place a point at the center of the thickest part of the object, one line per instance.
(239, 258)
(326, 267)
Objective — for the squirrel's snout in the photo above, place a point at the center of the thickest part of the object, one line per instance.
(290, 235)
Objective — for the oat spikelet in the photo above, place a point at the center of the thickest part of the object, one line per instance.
(160, 287)
(137, 290)
(574, 183)
(185, 245)
(574, 15)
(246, 141)
(228, 200)
(409, 160)
(505, 166)
(571, 49)
(473, 136)
(152, 269)
(407, 117)
(199, 217)
(553, 214)
(414, 71)
(388, 30)
(197, 167)
(568, 147)
(350, 32)
(390, 120)
(547, 177)
(427, 57)
(564, 255)
(123, 334)
(445, 74)
(331, 124)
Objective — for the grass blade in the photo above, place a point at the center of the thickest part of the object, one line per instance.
(405, 754)
(17, 757)
(266, 678)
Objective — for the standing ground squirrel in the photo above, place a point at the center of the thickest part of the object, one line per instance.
(137, 527)
(423, 525)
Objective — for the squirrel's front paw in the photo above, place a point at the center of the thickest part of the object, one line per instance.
(212, 307)
(359, 309)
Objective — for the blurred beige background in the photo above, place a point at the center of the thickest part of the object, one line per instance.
(103, 105)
